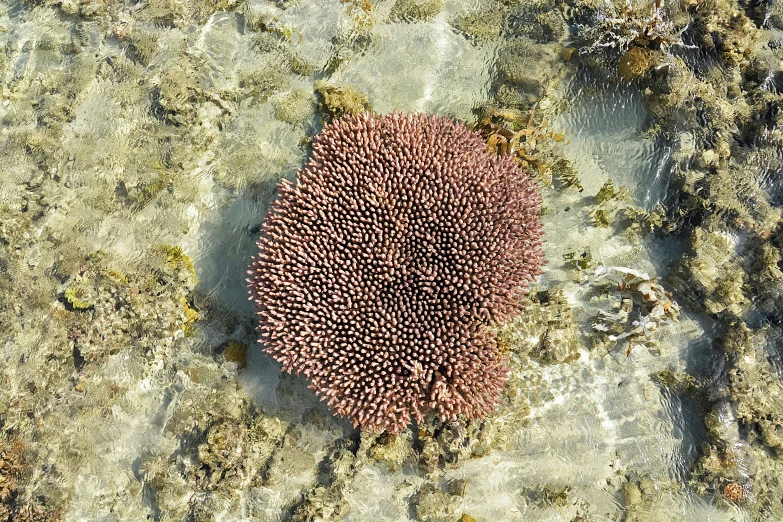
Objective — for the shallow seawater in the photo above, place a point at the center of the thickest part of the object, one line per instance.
(607, 129)
(142, 144)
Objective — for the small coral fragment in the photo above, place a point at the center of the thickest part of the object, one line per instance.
(733, 492)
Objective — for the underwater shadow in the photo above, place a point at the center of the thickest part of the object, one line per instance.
(228, 244)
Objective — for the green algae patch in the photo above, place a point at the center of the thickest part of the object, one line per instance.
(75, 296)
(546, 332)
(564, 175)
(337, 102)
(263, 82)
(300, 65)
(481, 24)
(117, 276)
(432, 504)
(177, 13)
(191, 316)
(177, 259)
(390, 450)
(141, 47)
(296, 107)
(608, 192)
(236, 352)
(526, 70)
(415, 10)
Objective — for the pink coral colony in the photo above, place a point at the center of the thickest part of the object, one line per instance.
(380, 270)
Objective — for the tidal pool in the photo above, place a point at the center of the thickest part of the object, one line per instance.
(142, 143)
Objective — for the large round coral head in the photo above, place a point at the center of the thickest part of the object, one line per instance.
(381, 271)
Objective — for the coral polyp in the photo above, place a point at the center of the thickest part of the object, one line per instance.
(381, 270)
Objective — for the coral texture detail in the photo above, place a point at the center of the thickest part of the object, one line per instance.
(381, 269)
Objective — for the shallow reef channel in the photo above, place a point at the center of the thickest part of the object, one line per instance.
(141, 144)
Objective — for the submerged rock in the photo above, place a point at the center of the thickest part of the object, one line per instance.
(526, 70)
(337, 102)
(415, 10)
(296, 107)
(432, 504)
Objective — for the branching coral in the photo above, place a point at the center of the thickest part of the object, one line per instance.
(380, 270)
(625, 26)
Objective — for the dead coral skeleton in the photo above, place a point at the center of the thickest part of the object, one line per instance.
(639, 293)
(733, 492)
(627, 26)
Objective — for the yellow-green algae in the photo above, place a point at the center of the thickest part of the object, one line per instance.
(340, 101)
(74, 297)
(295, 107)
(415, 10)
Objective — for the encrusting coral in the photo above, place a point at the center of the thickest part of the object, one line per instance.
(380, 270)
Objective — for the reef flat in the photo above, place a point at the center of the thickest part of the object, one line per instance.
(142, 143)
